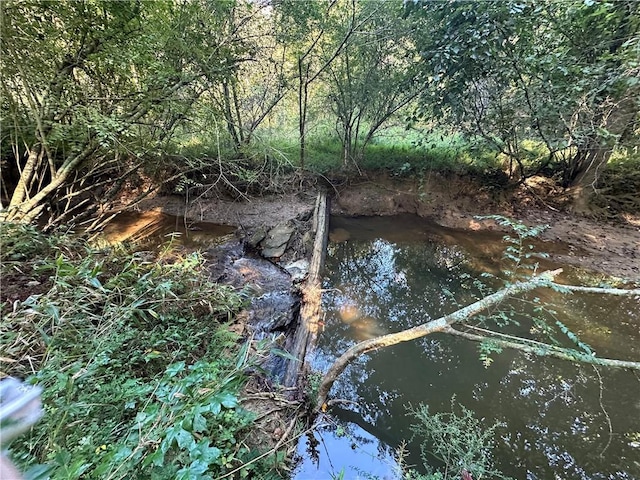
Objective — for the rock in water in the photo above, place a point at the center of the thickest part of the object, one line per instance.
(298, 270)
(275, 243)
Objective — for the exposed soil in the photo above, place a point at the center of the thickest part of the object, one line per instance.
(249, 213)
(605, 246)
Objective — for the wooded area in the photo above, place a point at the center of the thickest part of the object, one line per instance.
(101, 97)
(105, 103)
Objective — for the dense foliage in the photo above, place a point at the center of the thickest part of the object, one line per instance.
(563, 74)
(141, 376)
(100, 96)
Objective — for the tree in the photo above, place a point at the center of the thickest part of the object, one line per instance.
(372, 77)
(260, 81)
(93, 88)
(603, 41)
(312, 28)
(562, 73)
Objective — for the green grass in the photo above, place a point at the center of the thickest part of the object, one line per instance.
(141, 375)
(395, 150)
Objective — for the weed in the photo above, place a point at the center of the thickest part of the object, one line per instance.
(141, 376)
(452, 443)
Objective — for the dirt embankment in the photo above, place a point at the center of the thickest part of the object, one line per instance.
(603, 246)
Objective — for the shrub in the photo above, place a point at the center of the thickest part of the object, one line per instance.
(141, 375)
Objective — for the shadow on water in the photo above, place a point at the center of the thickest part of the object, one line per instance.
(559, 420)
(153, 228)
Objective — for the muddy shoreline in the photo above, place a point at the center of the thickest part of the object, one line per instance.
(611, 248)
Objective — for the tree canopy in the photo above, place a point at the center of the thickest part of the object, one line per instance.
(97, 93)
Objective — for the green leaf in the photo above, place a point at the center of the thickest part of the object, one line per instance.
(227, 399)
(95, 282)
(199, 423)
(203, 451)
(198, 467)
(284, 354)
(184, 438)
(156, 459)
(175, 368)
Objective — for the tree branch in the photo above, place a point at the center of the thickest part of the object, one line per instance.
(545, 350)
(601, 290)
(439, 325)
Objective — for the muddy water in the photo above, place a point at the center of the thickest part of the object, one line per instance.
(154, 228)
(559, 420)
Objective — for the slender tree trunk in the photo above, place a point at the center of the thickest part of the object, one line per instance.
(347, 144)
(236, 104)
(231, 128)
(303, 99)
(21, 192)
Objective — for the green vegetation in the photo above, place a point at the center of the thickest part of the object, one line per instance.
(141, 376)
(102, 98)
(458, 442)
(105, 102)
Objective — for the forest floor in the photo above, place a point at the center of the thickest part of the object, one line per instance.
(608, 246)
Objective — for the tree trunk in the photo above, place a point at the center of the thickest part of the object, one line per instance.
(25, 210)
(303, 98)
(228, 115)
(310, 313)
(592, 157)
(590, 162)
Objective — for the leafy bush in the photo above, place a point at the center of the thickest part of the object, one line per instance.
(453, 444)
(141, 376)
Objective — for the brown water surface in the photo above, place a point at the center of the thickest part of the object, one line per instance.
(154, 227)
(559, 420)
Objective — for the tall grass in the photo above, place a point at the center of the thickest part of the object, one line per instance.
(395, 150)
(141, 375)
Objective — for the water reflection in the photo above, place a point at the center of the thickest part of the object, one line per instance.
(153, 228)
(362, 327)
(560, 420)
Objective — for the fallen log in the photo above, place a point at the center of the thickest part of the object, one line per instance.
(306, 333)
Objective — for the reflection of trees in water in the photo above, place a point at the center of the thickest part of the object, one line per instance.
(402, 286)
(556, 417)
(552, 410)
(609, 325)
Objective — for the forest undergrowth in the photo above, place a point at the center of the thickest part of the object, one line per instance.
(141, 375)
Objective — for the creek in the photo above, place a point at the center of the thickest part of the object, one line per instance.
(384, 274)
(557, 419)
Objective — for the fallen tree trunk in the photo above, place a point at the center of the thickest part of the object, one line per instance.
(444, 325)
(308, 324)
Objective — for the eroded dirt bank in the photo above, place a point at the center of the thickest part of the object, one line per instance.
(608, 247)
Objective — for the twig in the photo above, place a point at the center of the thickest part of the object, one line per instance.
(604, 410)
(280, 443)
